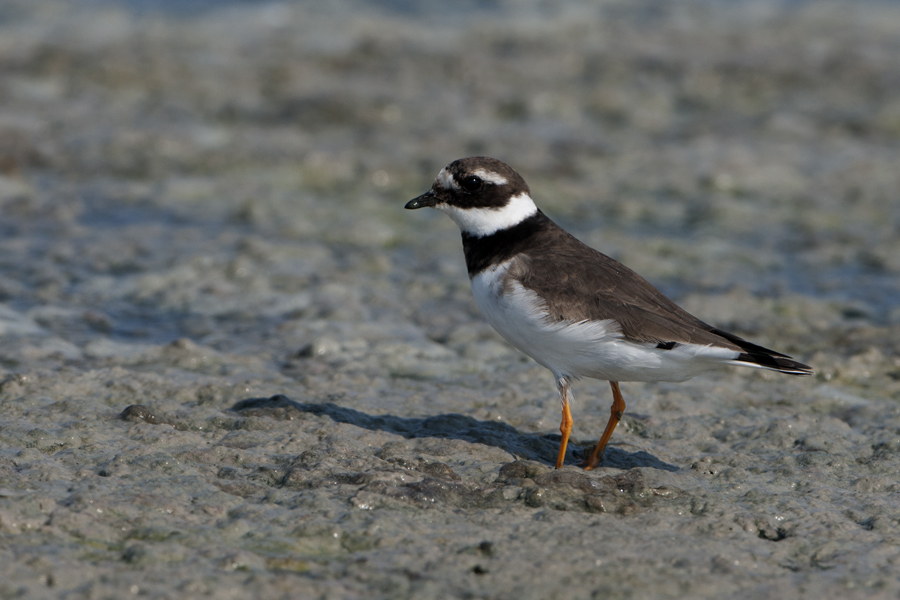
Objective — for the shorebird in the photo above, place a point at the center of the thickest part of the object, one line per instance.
(572, 309)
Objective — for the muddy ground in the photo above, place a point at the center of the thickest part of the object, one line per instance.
(201, 219)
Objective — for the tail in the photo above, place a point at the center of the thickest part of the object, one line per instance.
(774, 363)
(763, 358)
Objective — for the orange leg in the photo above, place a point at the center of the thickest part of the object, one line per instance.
(565, 427)
(616, 410)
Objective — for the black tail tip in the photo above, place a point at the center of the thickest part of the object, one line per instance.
(776, 363)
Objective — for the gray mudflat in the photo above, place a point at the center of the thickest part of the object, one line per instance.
(235, 367)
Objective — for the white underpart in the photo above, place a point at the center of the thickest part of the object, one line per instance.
(583, 349)
(480, 222)
(490, 177)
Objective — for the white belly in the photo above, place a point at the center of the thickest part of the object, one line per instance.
(582, 349)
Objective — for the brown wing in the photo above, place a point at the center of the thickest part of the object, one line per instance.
(581, 283)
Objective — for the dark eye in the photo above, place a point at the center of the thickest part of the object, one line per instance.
(471, 183)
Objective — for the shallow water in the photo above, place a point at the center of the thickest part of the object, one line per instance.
(201, 214)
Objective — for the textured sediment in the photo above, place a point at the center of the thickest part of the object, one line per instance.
(234, 367)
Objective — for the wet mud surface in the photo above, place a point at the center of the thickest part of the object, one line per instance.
(233, 366)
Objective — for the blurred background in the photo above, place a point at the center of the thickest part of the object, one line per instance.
(711, 145)
(746, 147)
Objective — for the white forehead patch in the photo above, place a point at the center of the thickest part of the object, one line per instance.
(480, 222)
(446, 180)
(490, 177)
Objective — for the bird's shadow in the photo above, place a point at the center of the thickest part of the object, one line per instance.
(529, 446)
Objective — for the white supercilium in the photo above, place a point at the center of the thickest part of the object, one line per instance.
(490, 177)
